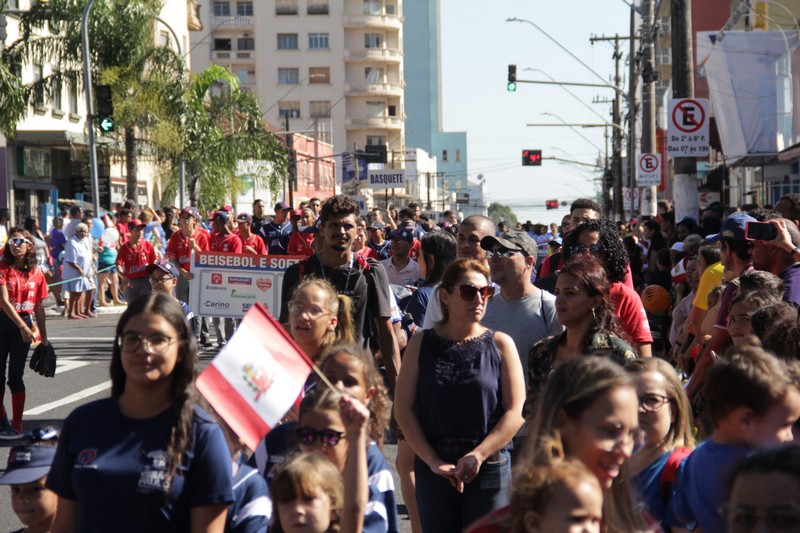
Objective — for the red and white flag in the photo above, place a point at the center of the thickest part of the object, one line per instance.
(254, 381)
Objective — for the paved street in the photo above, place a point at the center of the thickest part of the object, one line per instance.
(84, 353)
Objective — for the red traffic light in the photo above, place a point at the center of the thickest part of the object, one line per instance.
(551, 204)
(531, 158)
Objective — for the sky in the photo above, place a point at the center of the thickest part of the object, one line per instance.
(477, 45)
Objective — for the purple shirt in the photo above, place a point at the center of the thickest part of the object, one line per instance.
(791, 284)
(57, 242)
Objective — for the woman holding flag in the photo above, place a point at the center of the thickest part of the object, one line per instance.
(147, 458)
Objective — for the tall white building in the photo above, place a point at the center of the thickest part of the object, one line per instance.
(331, 68)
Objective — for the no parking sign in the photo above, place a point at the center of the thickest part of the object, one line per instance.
(648, 170)
(688, 127)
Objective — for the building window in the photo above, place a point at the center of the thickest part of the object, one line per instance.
(287, 41)
(244, 9)
(286, 7)
(288, 76)
(222, 9)
(375, 140)
(319, 75)
(372, 40)
(663, 56)
(289, 109)
(163, 38)
(72, 95)
(444, 156)
(320, 108)
(318, 7)
(392, 111)
(222, 44)
(242, 75)
(373, 75)
(38, 75)
(245, 43)
(372, 7)
(376, 109)
(318, 41)
(458, 156)
(391, 9)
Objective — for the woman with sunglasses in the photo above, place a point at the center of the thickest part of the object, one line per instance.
(584, 308)
(459, 402)
(666, 437)
(147, 458)
(23, 289)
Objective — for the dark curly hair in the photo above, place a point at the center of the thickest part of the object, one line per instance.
(585, 203)
(29, 260)
(613, 254)
(338, 205)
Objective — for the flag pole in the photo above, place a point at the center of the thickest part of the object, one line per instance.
(324, 379)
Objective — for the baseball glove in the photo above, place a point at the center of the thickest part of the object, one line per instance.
(43, 360)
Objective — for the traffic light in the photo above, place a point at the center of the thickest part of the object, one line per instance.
(531, 158)
(512, 78)
(551, 204)
(105, 108)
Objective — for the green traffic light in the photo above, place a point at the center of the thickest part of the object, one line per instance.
(106, 124)
(512, 86)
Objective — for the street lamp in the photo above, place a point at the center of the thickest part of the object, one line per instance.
(575, 96)
(564, 122)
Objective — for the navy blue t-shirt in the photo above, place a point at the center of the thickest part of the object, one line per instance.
(115, 468)
(273, 235)
(251, 509)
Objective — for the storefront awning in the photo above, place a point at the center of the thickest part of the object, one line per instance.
(49, 138)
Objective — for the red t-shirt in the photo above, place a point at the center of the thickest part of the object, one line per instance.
(300, 244)
(25, 289)
(179, 249)
(134, 261)
(631, 313)
(368, 253)
(256, 243)
(225, 243)
(124, 232)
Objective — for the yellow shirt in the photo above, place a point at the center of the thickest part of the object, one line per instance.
(710, 279)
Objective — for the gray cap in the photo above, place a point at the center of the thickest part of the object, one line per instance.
(512, 240)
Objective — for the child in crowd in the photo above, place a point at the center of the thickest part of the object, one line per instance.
(765, 489)
(743, 306)
(753, 403)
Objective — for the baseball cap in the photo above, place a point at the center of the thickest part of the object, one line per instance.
(27, 464)
(678, 246)
(244, 217)
(556, 240)
(191, 211)
(689, 221)
(402, 233)
(734, 227)
(376, 225)
(220, 215)
(280, 206)
(512, 240)
(136, 223)
(164, 265)
(297, 212)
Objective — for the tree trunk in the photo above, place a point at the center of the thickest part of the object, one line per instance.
(130, 163)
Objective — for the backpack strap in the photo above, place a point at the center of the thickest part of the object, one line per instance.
(670, 472)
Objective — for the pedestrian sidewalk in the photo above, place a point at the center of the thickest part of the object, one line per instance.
(52, 311)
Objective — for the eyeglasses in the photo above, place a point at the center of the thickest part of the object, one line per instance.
(313, 312)
(160, 281)
(468, 292)
(501, 253)
(18, 241)
(155, 344)
(593, 249)
(327, 437)
(612, 435)
(744, 518)
(652, 403)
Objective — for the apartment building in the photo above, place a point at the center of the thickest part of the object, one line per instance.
(329, 69)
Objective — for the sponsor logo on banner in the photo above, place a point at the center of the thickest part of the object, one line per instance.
(237, 280)
(242, 295)
(264, 284)
(216, 278)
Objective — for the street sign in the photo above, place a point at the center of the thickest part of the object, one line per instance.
(688, 127)
(388, 178)
(107, 125)
(648, 170)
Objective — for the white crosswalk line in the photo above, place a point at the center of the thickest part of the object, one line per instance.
(85, 393)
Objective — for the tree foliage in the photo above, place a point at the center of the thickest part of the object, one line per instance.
(502, 213)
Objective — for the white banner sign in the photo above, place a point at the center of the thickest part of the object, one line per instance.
(687, 135)
(388, 178)
(228, 285)
(648, 170)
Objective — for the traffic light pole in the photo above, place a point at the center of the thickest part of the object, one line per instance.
(87, 82)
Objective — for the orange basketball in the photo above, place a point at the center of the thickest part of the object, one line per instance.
(656, 299)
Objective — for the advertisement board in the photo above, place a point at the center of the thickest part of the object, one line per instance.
(228, 285)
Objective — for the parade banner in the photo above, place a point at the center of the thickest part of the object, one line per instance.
(228, 285)
(256, 378)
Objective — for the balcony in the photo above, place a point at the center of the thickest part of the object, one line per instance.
(232, 21)
(370, 89)
(394, 22)
(233, 56)
(382, 55)
(374, 123)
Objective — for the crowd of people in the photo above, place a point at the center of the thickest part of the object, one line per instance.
(597, 375)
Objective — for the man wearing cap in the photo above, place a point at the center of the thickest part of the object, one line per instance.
(276, 232)
(223, 239)
(301, 239)
(779, 259)
(132, 261)
(181, 245)
(376, 241)
(400, 268)
(735, 254)
(251, 243)
(521, 310)
(163, 277)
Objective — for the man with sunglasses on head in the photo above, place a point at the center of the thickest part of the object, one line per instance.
(163, 277)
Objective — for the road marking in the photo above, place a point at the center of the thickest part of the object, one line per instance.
(65, 364)
(69, 399)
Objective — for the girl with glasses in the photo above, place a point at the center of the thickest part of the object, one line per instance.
(459, 402)
(666, 437)
(147, 458)
(318, 316)
(23, 289)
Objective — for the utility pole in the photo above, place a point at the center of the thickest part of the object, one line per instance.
(632, 111)
(649, 77)
(292, 160)
(685, 189)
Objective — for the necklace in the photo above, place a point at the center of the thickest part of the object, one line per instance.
(345, 290)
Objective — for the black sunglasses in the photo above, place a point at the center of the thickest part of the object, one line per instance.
(468, 292)
(593, 249)
(328, 437)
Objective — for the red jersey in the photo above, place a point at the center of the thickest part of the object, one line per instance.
(368, 253)
(124, 232)
(25, 289)
(179, 249)
(225, 243)
(256, 243)
(134, 260)
(301, 244)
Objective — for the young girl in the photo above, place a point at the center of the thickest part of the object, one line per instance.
(318, 316)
